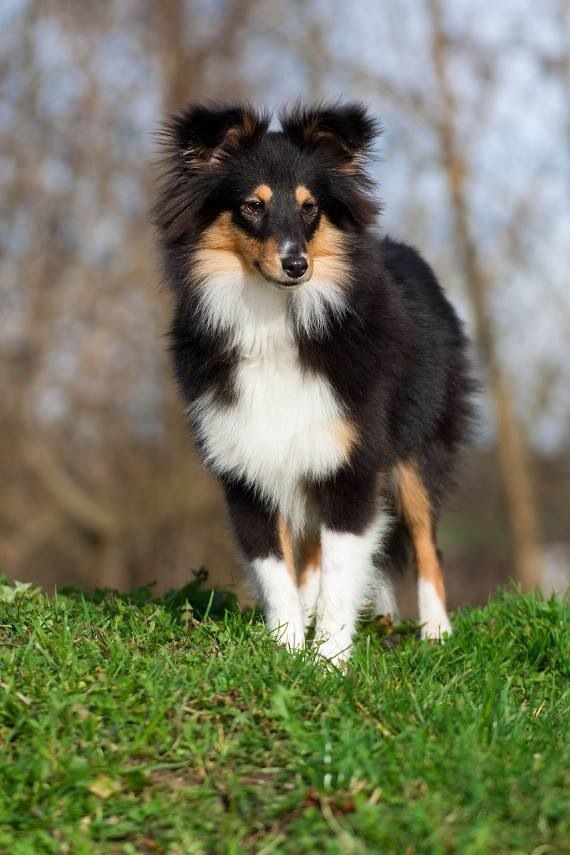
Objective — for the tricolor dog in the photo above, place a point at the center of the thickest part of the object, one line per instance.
(323, 371)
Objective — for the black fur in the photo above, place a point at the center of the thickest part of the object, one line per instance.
(255, 524)
(399, 362)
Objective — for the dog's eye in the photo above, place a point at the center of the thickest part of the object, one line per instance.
(309, 208)
(253, 208)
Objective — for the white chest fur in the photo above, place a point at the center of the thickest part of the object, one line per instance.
(286, 424)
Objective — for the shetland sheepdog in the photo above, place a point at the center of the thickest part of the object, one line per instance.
(324, 373)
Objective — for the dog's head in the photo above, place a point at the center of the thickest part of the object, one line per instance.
(283, 203)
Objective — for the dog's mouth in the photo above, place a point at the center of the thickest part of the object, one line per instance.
(286, 285)
(284, 282)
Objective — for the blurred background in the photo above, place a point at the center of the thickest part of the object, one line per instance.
(100, 485)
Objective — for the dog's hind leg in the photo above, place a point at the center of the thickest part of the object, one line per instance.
(384, 598)
(309, 574)
(390, 562)
(415, 507)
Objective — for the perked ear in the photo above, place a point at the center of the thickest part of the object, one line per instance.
(206, 134)
(344, 132)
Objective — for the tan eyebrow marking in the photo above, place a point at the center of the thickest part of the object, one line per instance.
(303, 194)
(263, 192)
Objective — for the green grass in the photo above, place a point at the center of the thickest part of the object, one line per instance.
(128, 726)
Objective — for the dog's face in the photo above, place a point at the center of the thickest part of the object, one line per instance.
(272, 226)
(280, 204)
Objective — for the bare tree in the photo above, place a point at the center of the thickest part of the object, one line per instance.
(513, 455)
(90, 493)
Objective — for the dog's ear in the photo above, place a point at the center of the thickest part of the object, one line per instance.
(342, 132)
(206, 134)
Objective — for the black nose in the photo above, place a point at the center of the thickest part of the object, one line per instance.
(294, 265)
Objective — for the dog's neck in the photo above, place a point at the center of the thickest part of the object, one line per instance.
(259, 316)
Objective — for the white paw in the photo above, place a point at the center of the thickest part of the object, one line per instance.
(334, 646)
(436, 628)
(433, 616)
(289, 634)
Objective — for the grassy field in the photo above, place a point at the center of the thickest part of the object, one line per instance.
(130, 725)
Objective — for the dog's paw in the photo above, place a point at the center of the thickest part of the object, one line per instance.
(437, 629)
(335, 649)
(290, 634)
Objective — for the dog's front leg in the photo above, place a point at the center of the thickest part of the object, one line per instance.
(353, 528)
(257, 531)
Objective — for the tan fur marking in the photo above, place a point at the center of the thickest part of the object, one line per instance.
(263, 192)
(223, 246)
(327, 239)
(286, 542)
(301, 557)
(220, 235)
(308, 558)
(355, 164)
(346, 434)
(303, 194)
(269, 259)
(247, 124)
(327, 250)
(415, 506)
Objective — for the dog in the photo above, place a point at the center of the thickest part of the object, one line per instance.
(325, 376)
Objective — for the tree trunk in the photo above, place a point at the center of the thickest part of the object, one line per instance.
(512, 451)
